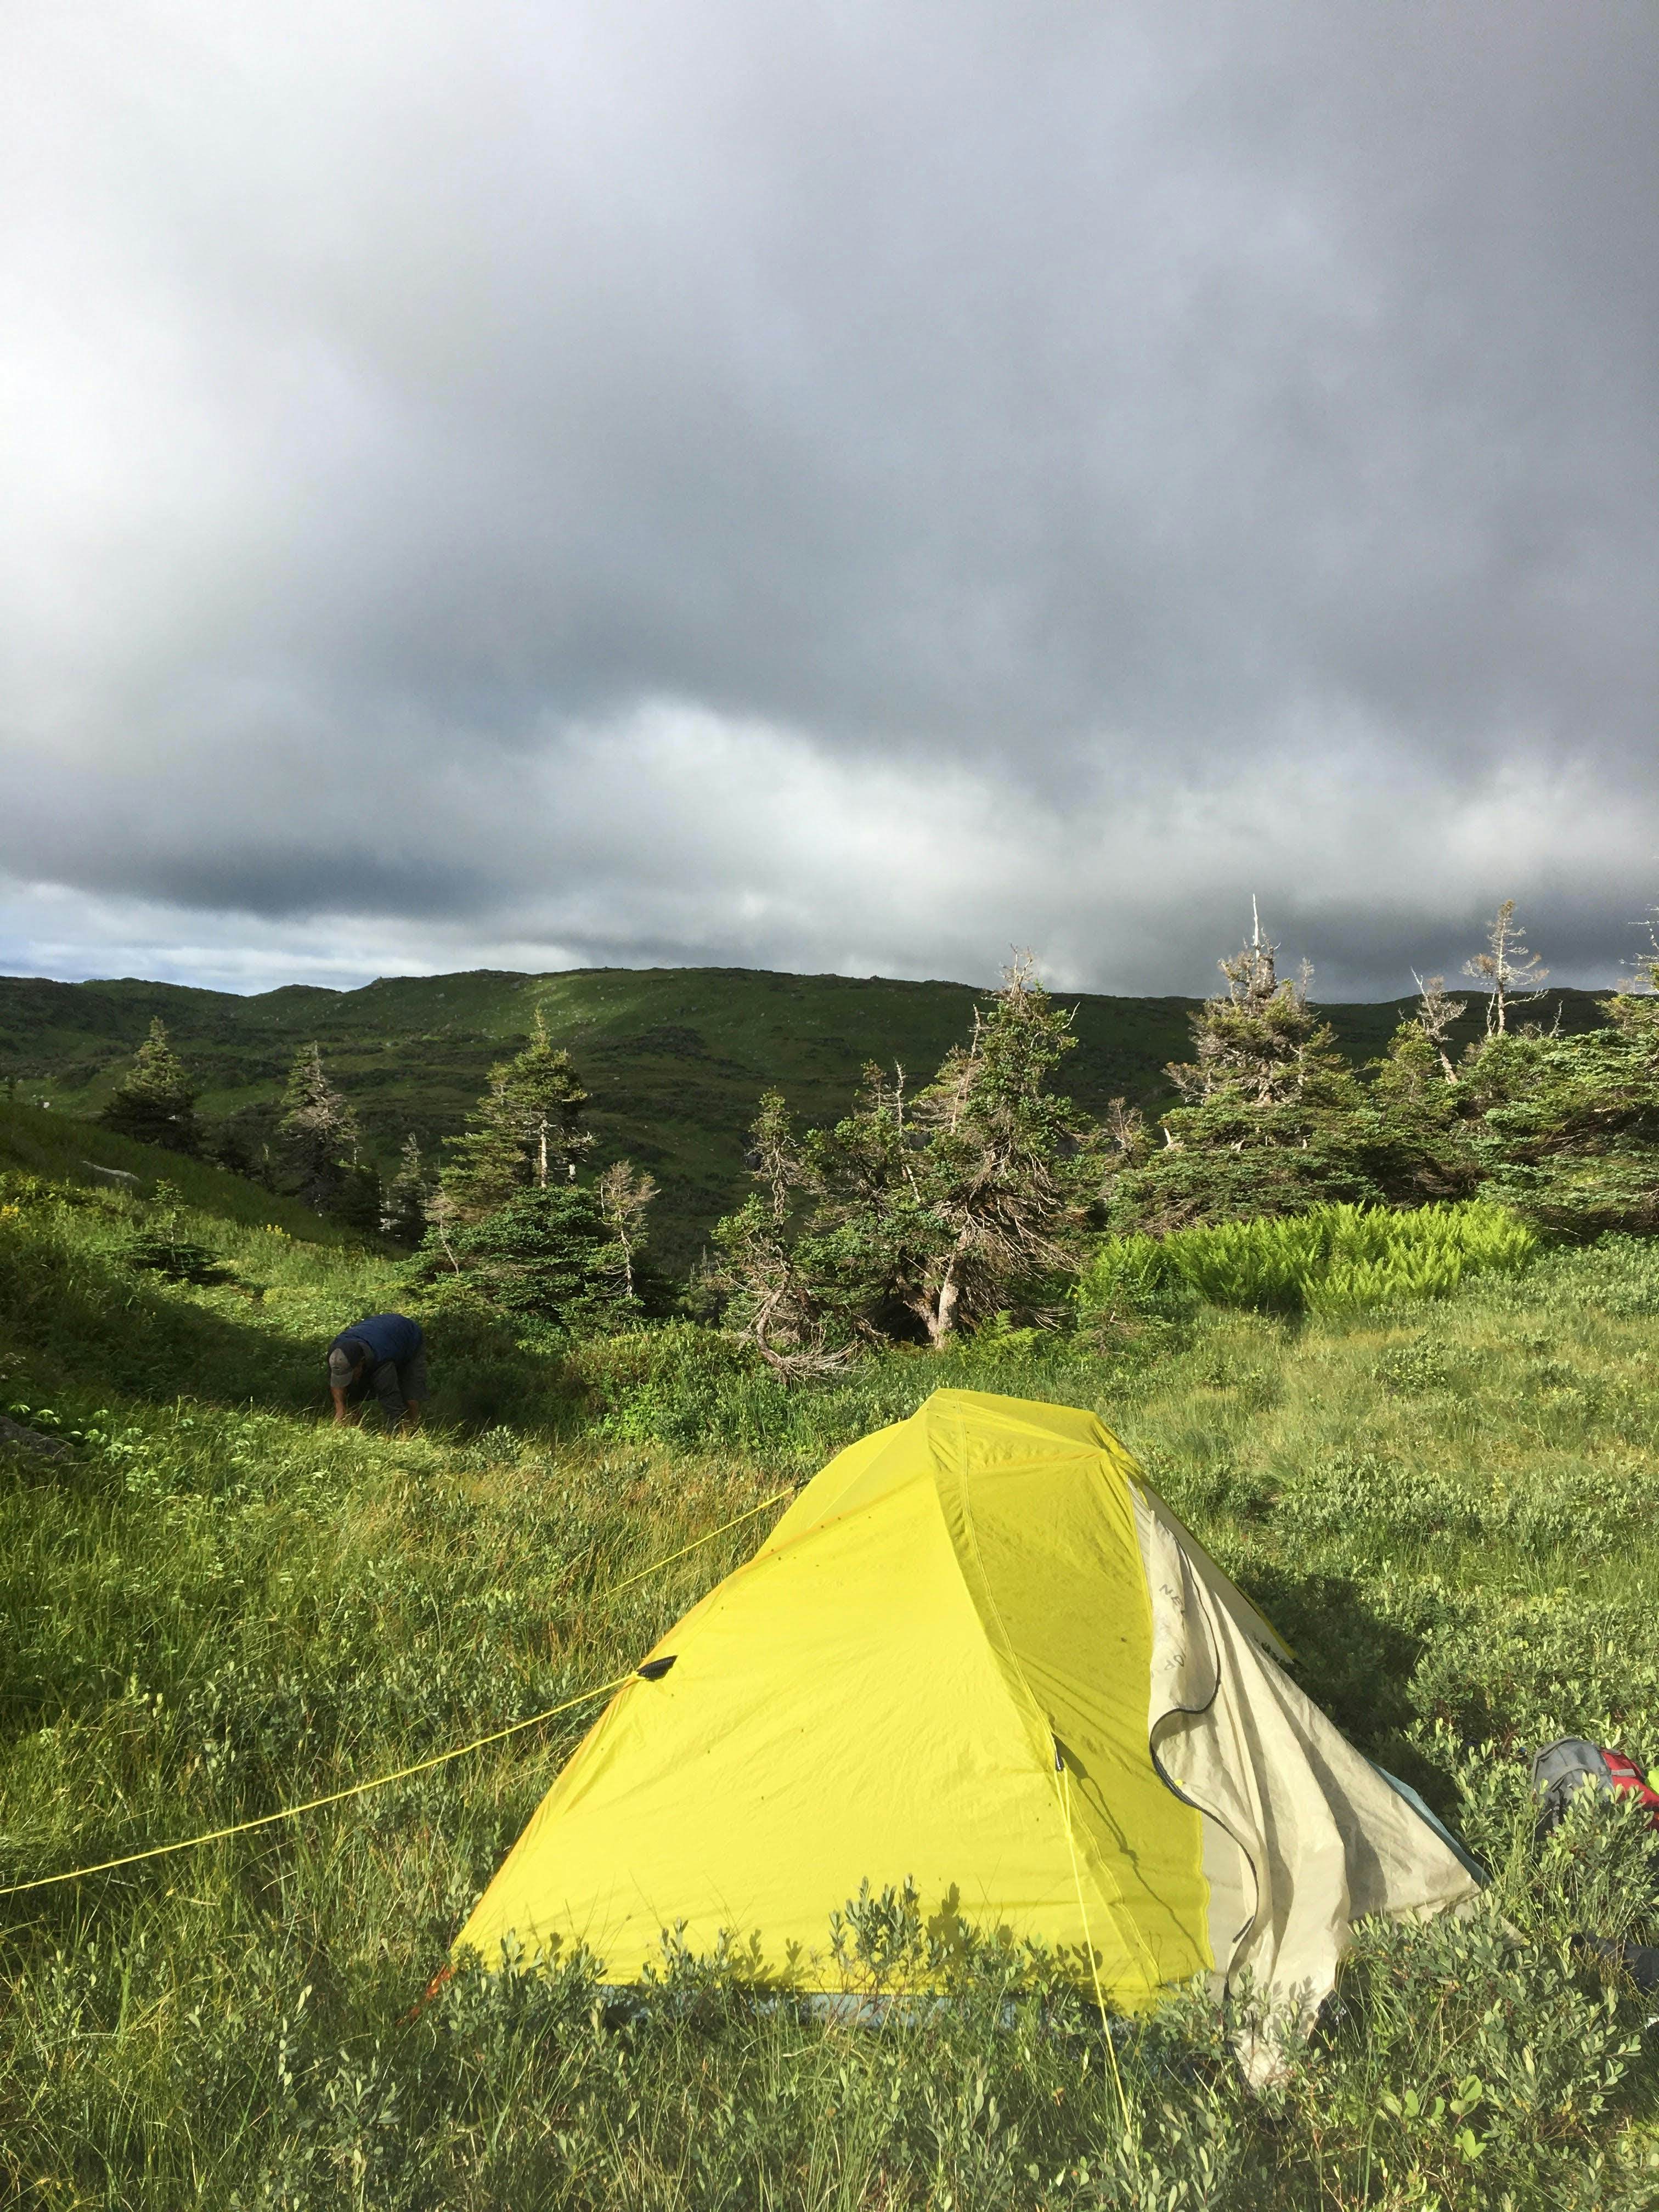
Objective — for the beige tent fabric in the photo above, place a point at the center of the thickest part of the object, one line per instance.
(1301, 1835)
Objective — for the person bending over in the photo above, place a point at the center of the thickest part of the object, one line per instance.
(385, 1354)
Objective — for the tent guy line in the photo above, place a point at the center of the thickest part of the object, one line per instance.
(316, 1804)
(1063, 1788)
(651, 1672)
(695, 1545)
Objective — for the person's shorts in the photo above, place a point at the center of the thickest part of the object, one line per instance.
(395, 1382)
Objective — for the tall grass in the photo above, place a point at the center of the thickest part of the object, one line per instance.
(216, 1604)
(1332, 1259)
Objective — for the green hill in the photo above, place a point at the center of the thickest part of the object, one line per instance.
(676, 1057)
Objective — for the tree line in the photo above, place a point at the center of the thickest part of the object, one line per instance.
(316, 1152)
(507, 1221)
(1274, 1119)
(932, 1208)
(984, 1193)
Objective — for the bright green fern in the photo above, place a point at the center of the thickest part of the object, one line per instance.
(1334, 1258)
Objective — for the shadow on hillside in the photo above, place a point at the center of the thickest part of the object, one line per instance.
(108, 1329)
(63, 1148)
(1353, 1663)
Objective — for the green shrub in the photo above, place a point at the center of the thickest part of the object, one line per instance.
(159, 1244)
(680, 1384)
(544, 1261)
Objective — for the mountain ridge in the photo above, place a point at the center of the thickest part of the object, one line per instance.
(675, 1058)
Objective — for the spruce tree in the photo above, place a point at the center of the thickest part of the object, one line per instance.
(753, 1277)
(486, 1162)
(975, 1199)
(546, 1261)
(317, 1131)
(1438, 1015)
(1566, 1128)
(525, 1132)
(547, 1100)
(359, 1200)
(157, 1101)
(406, 1196)
(1274, 1119)
(1258, 1041)
(626, 1195)
(509, 1219)
(918, 1216)
(160, 1242)
(241, 1143)
(1509, 974)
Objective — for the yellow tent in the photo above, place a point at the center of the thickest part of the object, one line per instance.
(977, 1652)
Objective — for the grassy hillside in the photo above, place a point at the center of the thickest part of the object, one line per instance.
(36, 1141)
(211, 1605)
(675, 1058)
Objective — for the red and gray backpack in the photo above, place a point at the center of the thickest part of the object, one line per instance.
(1561, 1769)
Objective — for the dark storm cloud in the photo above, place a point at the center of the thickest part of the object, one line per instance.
(843, 488)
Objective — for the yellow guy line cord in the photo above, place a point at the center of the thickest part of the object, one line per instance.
(1089, 1945)
(421, 1765)
(315, 1804)
(656, 1565)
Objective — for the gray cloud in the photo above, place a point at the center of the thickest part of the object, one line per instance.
(831, 488)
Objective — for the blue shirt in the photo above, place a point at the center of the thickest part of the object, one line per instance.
(388, 1336)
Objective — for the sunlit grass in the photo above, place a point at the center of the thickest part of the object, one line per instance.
(219, 1605)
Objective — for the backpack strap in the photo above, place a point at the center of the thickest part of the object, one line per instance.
(1560, 1770)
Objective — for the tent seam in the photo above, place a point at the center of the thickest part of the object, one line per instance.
(1117, 1907)
(1204, 1812)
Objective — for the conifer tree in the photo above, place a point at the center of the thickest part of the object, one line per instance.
(1437, 1012)
(240, 1143)
(359, 1201)
(1410, 1126)
(547, 1099)
(157, 1101)
(486, 1162)
(525, 1132)
(443, 1225)
(1259, 1040)
(510, 1226)
(1003, 1167)
(753, 1276)
(1566, 1128)
(1510, 975)
(160, 1242)
(918, 1216)
(317, 1131)
(546, 1261)
(406, 1196)
(1274, 1119)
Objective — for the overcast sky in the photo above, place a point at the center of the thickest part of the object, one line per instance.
(826, 486)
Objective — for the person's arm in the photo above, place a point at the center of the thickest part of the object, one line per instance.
(342, 1411)
(411, 1420)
